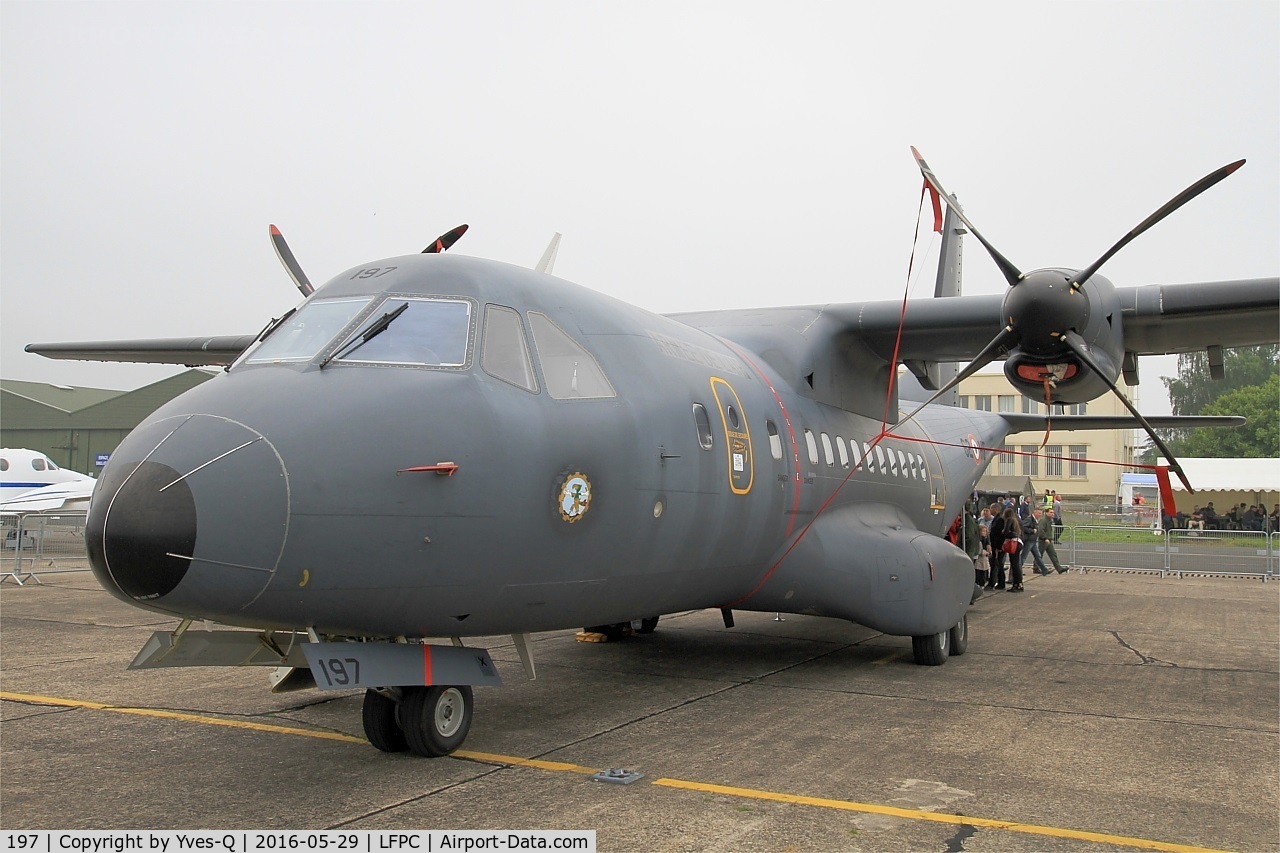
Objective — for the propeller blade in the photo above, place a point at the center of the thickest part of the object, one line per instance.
(1169, 207)
(1077, 345)
(1007, 337)
(1011, 273)
(285, 254)
(445, 240)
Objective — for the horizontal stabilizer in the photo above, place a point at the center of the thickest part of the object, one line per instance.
(191, 352)
(1038, 423)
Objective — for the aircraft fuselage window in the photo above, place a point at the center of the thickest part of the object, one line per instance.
(844, 454)
(429, 332)
(302, 336)
(37, 464)
(703, 423)
(880, 463)
(826, 451)
(775, 440)
(812, 446)
(570, 371)
(4, 464)
(868, 461)
(504, 353)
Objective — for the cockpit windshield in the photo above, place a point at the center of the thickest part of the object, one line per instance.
(302, 336)
(419, 331)
(422, 331)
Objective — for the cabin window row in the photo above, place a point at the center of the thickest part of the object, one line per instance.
(879, 459)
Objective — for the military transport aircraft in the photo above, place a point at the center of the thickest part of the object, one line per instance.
(535, 456)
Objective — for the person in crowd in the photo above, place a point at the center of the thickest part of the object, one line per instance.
(1033, 541)
(1046, 503)
(996, 579)
(982, 565)
(1024, 510)
(1057, 518)
(972, 541)
(1196, 520)
(1251, 519)
(1013, 533)
(1210, 517)
(1274, 519)
(1044, 532)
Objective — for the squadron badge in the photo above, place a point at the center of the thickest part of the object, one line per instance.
(575, 497)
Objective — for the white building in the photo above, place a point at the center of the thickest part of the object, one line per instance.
(1084, 465)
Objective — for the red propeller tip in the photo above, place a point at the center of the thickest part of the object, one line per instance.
(275, 232)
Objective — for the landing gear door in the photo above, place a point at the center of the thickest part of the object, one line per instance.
(737, 437)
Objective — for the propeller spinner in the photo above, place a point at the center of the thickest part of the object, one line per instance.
(1052, 338)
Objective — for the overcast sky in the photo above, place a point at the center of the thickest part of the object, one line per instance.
(695, 155)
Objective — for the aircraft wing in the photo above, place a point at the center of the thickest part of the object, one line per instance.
(191, 352)
(55, 496)
(1156, 319)
(1038, 423)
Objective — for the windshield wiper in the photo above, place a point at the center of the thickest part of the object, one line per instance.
(376, 328)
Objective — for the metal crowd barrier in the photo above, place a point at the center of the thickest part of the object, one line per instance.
(40, 543)
(1240, 553)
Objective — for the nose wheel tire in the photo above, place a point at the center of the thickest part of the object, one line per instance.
(932, 650)
(435, 719)
(960, 636)
(380, 724)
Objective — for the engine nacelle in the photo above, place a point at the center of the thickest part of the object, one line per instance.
(1043, 307)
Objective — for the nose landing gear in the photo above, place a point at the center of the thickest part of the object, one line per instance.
(427, 721)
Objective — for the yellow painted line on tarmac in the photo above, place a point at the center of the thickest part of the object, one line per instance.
(558, 766)
(889, 657)
(938, 817)
(180, 715)
(563, 767)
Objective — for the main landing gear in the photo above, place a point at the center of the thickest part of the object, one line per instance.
(428, 721)
(934, 649)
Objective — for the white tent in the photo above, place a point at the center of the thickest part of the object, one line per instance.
(1229, 475)
(1228, 482)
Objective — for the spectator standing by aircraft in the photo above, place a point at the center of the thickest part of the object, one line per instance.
(1044, 532)
(982, 565)
(996, 579)
(1013, 533)
(1033, 541)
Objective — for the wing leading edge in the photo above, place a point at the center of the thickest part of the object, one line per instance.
(213, 351)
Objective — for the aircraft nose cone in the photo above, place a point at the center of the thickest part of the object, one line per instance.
(152, 528)
(190, 516)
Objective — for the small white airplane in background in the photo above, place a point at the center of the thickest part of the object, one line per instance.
(32, 482)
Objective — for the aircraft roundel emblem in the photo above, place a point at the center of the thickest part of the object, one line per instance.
(975, 449)
(574, 498)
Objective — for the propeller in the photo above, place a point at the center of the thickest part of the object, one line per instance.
(300, 280)
(1045, 312)
(445, 240)
(291, 265)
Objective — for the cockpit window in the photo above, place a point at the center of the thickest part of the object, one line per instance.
(431, 332)
(304, 334)
(571, 372)
(505, 353)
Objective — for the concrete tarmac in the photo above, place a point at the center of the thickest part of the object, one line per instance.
(1092, 712)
